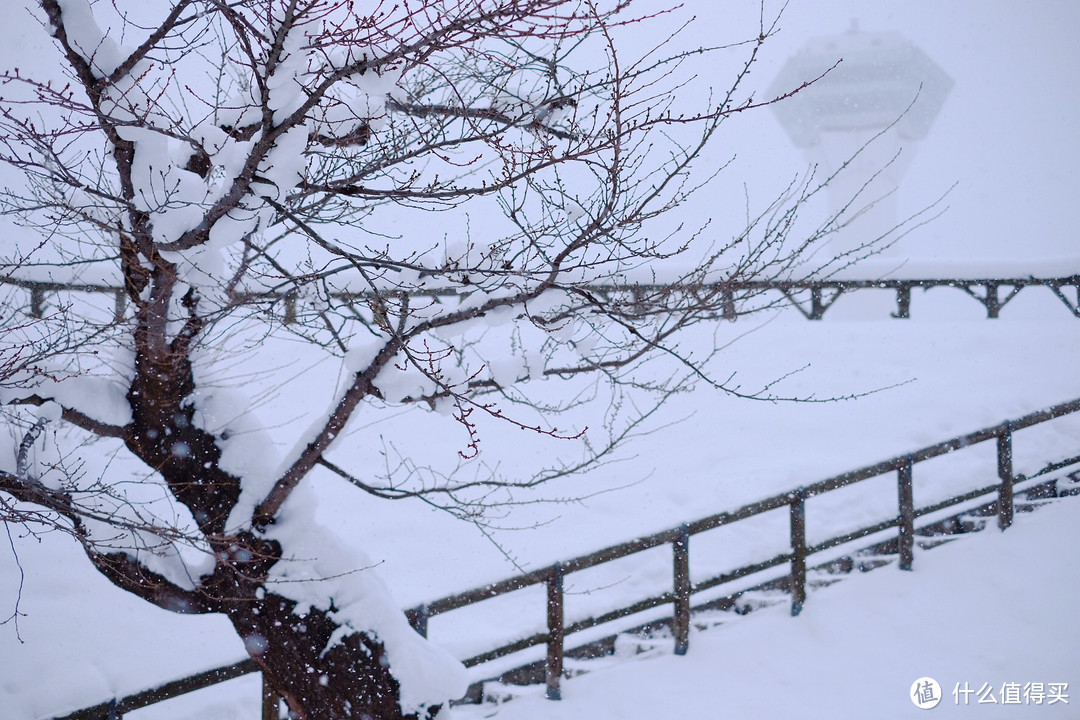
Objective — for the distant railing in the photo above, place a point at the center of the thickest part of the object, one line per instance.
(810, 297)
(679, 539)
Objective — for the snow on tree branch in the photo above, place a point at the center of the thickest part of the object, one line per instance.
(466, 210)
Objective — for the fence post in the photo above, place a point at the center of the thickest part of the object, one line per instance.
(903, 302)
(993, 302)
(798, 548)
(727, 302)
(418, 618)
(554, 665)
(1005, 472)
(290, 308)
(907, 516)
(681, 564)
(37, 301)
(271, 709)
(119, 306)
(817, 307)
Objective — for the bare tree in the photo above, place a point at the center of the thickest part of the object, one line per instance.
(239, 165)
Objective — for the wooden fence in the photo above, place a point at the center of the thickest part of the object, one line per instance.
(680, 596)
(810, 297)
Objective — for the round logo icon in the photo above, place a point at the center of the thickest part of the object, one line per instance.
(925, 693)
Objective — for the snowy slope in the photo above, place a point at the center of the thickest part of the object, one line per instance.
(967, 374)
(991, 608)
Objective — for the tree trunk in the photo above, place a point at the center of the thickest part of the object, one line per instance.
(350, 680)
(323, 670)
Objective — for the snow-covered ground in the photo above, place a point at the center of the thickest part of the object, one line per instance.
(992, 609)
(84, 641)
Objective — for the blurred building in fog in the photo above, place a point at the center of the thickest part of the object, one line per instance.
(871, 98)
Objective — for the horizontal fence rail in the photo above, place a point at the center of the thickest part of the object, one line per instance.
(553, 576)
(812, 298)
(795, 501)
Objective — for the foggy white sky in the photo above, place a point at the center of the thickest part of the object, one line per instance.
(1009, 134)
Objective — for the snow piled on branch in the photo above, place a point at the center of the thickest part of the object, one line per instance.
(246, 447)
(322, 572)
(166, 129)
(85, 35)
(100, 398)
